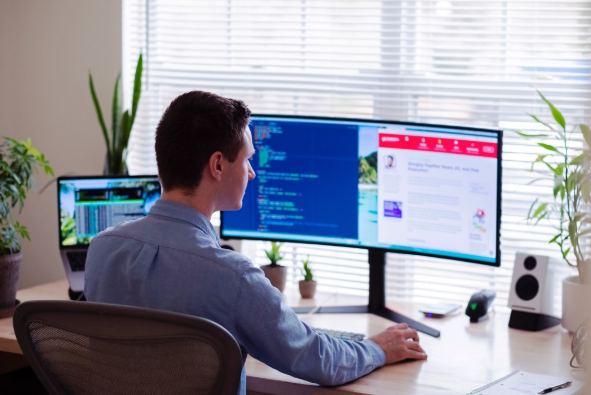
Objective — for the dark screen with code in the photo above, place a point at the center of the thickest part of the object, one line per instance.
(304, 185)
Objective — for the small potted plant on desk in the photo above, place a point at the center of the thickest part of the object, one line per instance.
(18, 161)
(308, 284)
(275, 272)
(568, 210)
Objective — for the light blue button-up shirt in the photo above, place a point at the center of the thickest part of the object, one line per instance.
(172, 260)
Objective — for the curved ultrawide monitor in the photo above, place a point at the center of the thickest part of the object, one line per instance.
(412, 188)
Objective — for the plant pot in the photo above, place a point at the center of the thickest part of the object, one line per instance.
(9, 270)
(276, 275)
(575, 302)
(307, 289)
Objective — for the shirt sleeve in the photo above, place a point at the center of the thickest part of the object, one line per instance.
(272, 333)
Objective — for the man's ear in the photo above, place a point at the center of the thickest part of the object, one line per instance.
(215, 166)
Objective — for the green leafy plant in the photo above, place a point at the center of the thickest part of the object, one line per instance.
(307, 271)
(274, 254)
(570, 171)
(122, 121)
(18, 162)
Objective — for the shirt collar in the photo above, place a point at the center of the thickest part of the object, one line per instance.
(184, 213)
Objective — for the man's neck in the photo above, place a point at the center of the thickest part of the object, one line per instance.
(193, 200)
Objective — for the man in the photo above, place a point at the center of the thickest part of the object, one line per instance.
(172, 259)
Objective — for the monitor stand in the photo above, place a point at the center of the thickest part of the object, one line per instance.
(377, 298)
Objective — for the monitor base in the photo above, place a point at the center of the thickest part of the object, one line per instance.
(383, 312)
(377, 298)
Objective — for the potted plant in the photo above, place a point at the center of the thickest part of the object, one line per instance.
(18, 161)
(308, 284)
(570, 170)
(275, 272)
(122, 122)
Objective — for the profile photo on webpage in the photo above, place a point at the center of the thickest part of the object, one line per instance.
(390, 162)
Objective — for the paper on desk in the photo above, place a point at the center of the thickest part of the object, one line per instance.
(525, 383)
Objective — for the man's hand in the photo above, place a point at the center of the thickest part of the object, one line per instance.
(399, 342)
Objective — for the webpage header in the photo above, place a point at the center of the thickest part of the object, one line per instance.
(439, 144)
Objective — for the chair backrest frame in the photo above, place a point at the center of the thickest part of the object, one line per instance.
(118, 322)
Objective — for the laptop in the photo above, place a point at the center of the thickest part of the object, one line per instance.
(88, 205)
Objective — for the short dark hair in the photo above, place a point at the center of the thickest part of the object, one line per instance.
(194, 126)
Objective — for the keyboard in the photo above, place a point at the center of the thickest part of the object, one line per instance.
(341, 334)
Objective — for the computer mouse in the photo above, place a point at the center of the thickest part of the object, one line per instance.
(478, 305)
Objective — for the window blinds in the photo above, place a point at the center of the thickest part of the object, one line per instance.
(459, 62)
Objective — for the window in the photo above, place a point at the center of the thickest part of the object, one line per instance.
(461, 62)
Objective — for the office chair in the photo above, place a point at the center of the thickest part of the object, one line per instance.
(95, 348)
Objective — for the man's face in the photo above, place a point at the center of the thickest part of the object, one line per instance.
(237, 174)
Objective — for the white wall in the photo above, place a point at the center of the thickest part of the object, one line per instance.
(47, 48)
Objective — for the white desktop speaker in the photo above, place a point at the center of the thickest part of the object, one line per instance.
(229, 244)
(533, 292)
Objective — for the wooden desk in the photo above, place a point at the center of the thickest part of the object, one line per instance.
(465, 357)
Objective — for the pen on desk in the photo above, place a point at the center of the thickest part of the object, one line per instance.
(548, 390)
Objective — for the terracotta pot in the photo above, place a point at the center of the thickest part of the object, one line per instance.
(575, 297)
(9, 270)
(307, 289)
(276, 275)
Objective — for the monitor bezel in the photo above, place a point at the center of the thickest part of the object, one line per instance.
(498, 133)
(95, 177)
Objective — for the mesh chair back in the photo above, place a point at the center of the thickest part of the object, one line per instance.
(94, 348)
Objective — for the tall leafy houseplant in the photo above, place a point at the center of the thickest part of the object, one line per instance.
(18, 162)
(568, 210)
(276, 273)
(121, 124)
(571, 191)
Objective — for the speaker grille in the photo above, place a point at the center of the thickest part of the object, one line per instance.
(527, 287)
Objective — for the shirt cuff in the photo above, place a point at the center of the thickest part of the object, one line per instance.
(377, 354)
